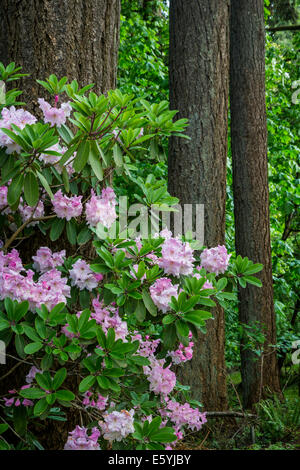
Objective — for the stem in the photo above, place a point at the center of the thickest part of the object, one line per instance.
(28, 221)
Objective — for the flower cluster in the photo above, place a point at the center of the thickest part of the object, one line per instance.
(215, 260)
(66, 207)
(83, 277)
(117, 425)
(44, 260)
(16, 400)
(162, 380)
(51, 288)
(101, 208)
(161, 293)
(80, 440)
(108, 317)
(18, 117)
(36, 212)
(147, 346)
(177, 257)
(100, 402)
(184, 415)
(53, 115)
(183, 353)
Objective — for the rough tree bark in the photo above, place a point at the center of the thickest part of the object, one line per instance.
(76, 38)
(250, 185)
(199, 67)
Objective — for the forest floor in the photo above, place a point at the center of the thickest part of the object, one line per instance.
(276, 425)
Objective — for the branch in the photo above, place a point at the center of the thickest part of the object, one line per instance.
(228, 414)
(28, 221)
(293, 27)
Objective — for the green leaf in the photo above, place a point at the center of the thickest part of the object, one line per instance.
(32, 393)
(117, 154)
(103, 382)
(40, 407)
(32, 348)
(182, 328)
(253, 280)
(14, 189)
(44, 381)
(82, 156)
(45, 184)
(95, 160)
(165, 435)
(65, 395)
(20, 419)
(149, 303)
(87, 383)
(71, 232)
(59, 378)
(31, 189)
(167, 319)
(140, 312)
(197, 317)
(222, 283)
(56, 229)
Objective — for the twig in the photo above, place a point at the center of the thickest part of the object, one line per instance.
(292, 27)
(229, 414)
(11, 370)
(28, 221)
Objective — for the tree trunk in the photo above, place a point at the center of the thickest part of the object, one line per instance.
(76, 38)
(250, 186)
(199, 66)
(79, 39)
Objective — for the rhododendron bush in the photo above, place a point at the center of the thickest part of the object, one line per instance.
(102, 334)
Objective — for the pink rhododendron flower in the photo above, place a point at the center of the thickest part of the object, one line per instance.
(54, 115)
(162, 380)
(108, 317)
(66, 207)
(147, 346)
(49, 289)
(177, 257)
(117, 425)
(20, 118)
(184, 415)
(82, 276)
(44, 260)
(98, 402)
(27, 212)
(101, 208)
(183, 353)
(215, 260)
(80, 440)
(162, 291)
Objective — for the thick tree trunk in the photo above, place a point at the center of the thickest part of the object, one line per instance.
(199, 65)
(77, 38)
(250, 185)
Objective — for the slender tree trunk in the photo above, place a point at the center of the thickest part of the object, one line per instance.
(79, 39)
(250, 185)
(199, 66)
